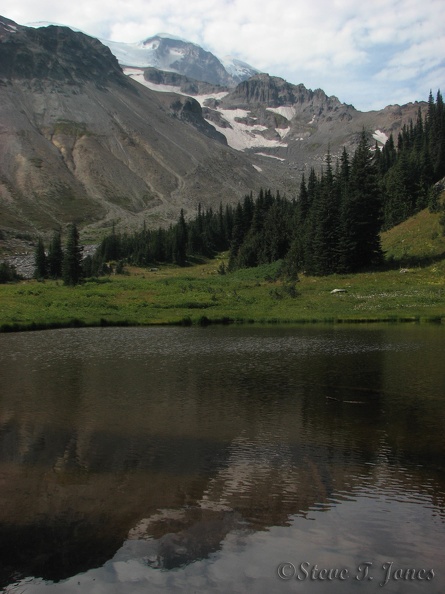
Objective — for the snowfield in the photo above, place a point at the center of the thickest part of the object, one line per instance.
(270, 156)
(287, 111)
(380, 136)
(242, 137)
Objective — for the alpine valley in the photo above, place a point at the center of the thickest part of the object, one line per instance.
(101, 133)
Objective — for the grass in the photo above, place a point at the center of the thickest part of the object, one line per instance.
(411, 289)
(417, 241)
(199, 295)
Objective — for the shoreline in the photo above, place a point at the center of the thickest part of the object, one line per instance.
(204, 321)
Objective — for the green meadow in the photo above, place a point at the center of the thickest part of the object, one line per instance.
(200, 295)
(411, 288)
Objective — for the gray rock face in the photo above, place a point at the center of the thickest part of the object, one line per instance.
(189, 110)
(54, 53)
(194, 62)
(272, 91)
(188, 86)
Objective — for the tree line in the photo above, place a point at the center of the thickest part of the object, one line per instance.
(332, 226)
(205, 235)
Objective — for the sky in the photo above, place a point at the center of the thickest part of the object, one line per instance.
(368, 53)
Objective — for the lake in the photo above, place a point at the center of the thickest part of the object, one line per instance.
(223, 459)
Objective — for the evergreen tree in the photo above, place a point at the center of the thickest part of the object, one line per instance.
(40, 261)
(72, 259)
(389, 155)
(180, 241)
(158, 246)
(55, 257)
(361, 217)
(320, 237)
(238, 234)
(8, 273)
(88, 267)
(399, 199)
(303, 204)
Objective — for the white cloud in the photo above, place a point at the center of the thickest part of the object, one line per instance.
(343, 46)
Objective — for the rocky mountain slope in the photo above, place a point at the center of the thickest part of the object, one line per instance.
(82, 142)
(259, 114)
(269, 118)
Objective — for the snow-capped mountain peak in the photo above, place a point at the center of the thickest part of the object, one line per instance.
(173, 54)
(173, 37)
(238, 69)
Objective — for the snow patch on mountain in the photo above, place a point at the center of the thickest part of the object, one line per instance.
(242, 139)
(241, 136)
(270, 156)
(203, 98)
(287, 111)
(283, 132)
(137, 74)
(237, 68)
(143, 54)
(8, 25)
(380, 136)
(230, 115)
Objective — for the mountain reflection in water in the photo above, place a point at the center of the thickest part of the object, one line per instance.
(219, 453)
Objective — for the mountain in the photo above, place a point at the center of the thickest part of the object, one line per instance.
(263, 116)
(83, 142)
(173, 54)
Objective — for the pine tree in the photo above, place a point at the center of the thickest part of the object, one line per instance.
(399, 199)
(158, 245)
(180, 241)
(238, 234)
(322, 258)
(303, 204)
(55, 257)
(40, 262)
(8, 273)
(72, 259)
(361, 216)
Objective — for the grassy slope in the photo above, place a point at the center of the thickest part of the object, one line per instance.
(171, 295)
(417, 241)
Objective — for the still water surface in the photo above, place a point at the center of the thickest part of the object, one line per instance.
(146, 460)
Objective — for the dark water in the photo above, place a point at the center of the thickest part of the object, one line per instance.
(213, 460)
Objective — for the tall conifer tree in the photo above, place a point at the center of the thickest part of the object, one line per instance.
(40, 261)
(55, 256)
(72, 259)
(180, 241)
(361, 213)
